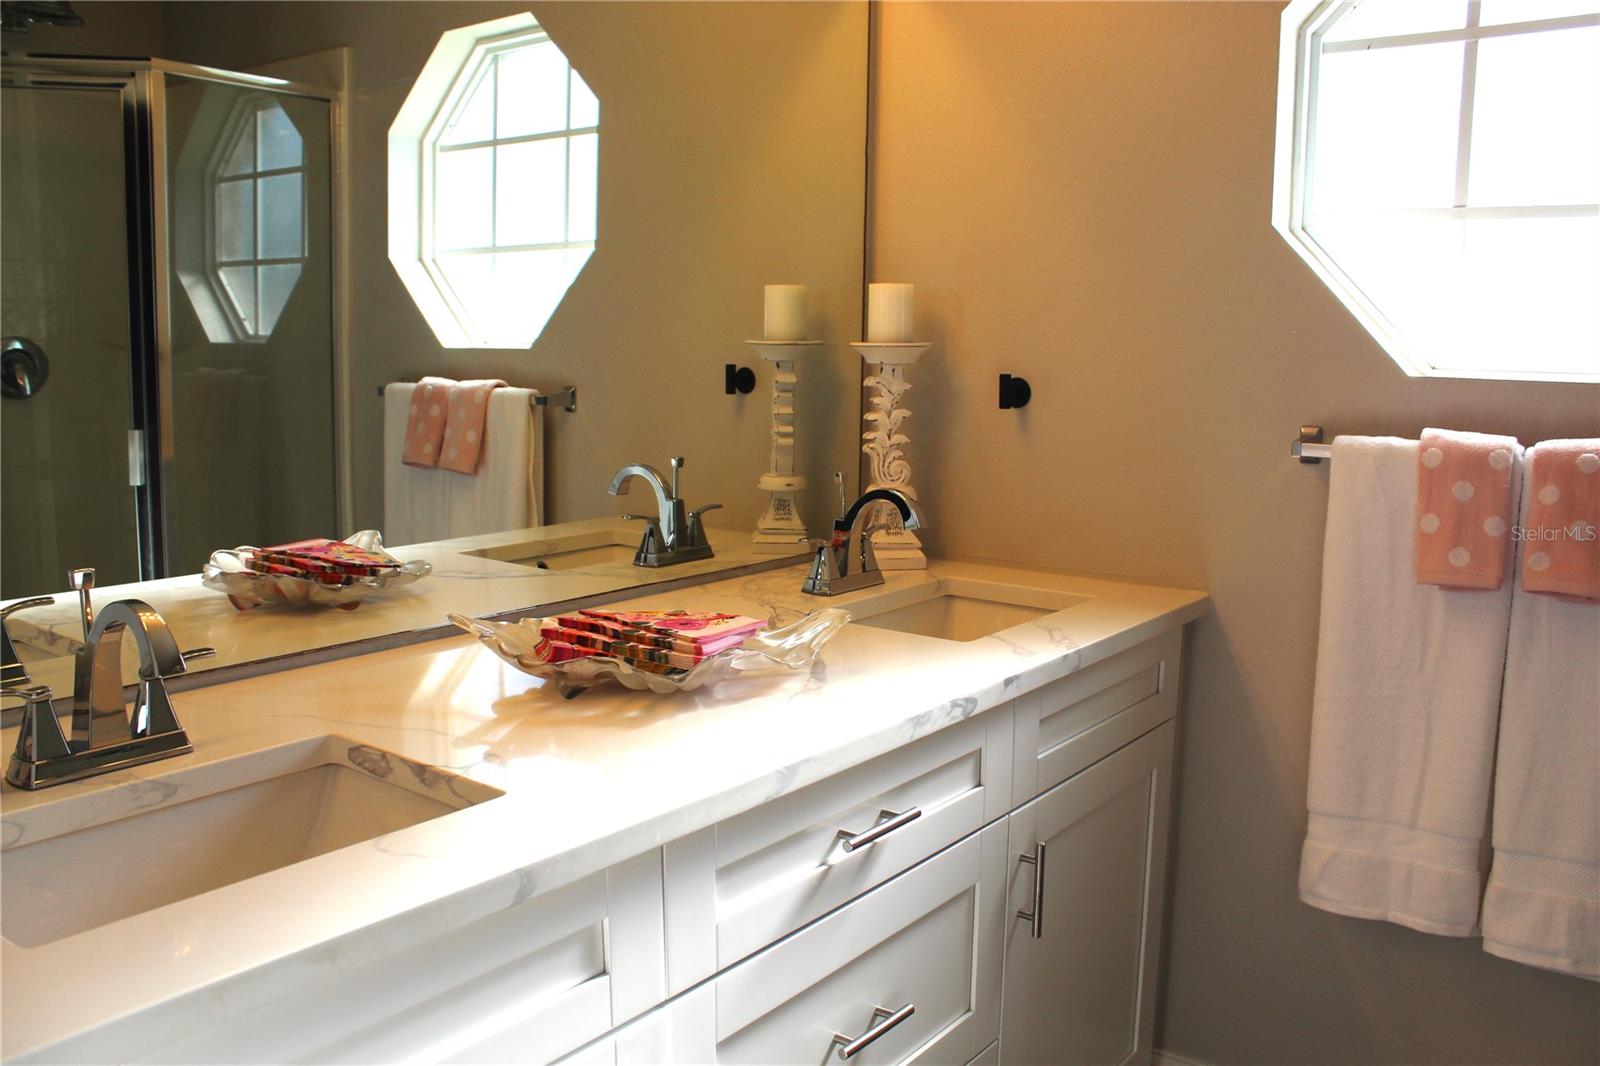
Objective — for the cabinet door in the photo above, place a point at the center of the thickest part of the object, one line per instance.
(1079, 983)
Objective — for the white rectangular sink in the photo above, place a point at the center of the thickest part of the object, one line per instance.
(601, 548)
(98, 858)
(959, 609)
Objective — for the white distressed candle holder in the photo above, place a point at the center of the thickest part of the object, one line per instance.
(780, 530)
(884, 441)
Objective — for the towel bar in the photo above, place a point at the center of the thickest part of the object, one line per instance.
(566, 399)
(1309, 447)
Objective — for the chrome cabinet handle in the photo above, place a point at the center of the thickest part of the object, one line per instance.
(883, 1019)
(1035, 917)
(888, 822)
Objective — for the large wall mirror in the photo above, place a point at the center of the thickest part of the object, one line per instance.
(214, 338)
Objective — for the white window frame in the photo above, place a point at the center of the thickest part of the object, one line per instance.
(246, 118)
(462, 58)
(1305, 22)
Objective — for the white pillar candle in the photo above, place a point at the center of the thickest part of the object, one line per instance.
(785, 313)
(889, 313)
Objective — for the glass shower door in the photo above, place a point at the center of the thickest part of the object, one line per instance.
(65, 495)
(249, 450)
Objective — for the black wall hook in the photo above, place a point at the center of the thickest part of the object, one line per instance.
(1014, 392)
(740, 379)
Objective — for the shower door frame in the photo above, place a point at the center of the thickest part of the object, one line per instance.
(142, 84)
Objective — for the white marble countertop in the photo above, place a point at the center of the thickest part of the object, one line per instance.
(471, 575)
(587, 783)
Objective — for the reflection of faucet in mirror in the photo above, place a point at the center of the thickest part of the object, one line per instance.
(104, 736)
(673, 535)
(831, 571)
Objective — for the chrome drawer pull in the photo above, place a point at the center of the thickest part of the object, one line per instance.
(888, 822)
(883, 1019)
(1035, 917)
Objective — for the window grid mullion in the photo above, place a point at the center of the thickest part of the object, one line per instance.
(1469, 79)
(521, 138)
(1466, 33)
(566, 168)
(494, 159)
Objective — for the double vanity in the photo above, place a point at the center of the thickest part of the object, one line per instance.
(945, 842)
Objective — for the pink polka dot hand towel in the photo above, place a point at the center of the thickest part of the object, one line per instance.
(1464, 508)
(425, 422)
(464, 425)
(1561, 550)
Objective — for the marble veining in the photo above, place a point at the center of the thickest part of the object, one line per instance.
(586, 783)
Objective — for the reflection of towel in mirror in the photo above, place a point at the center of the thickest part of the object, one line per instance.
(421, 505)
(425, 420)
(464, 425)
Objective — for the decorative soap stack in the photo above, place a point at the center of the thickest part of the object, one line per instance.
(663, 642)
(327, 562)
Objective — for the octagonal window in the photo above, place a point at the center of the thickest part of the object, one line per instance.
(257, 239)
(1439, 167)
(493, 170)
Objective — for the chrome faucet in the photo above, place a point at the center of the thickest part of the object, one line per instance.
(13, 672)
(831, 570)
(105, 736)
(673, 534)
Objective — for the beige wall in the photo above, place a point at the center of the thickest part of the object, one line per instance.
(110, 28)
(732, 154)
(1081, 192)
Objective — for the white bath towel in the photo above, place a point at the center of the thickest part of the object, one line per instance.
(429, 504)
(1403, 719)
(1542, 904)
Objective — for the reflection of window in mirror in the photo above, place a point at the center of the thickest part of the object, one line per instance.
(257, 241)
(507, 136)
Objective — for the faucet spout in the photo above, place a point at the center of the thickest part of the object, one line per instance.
(651, 476)
(909, 515)
(98, 715)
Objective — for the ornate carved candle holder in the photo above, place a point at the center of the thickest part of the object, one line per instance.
(884, 441)
(780, 528)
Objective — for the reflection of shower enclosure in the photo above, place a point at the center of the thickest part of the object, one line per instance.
(166, 243)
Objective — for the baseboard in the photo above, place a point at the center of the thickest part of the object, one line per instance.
(1167, 1058)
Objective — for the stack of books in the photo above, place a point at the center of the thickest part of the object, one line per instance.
(663, 642)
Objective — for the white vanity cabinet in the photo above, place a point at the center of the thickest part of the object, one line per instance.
(1088, 867)
(877, 905)
(779, 941)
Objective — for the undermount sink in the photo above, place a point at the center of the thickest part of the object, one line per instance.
(98, 858)
(604, 548)
(959, 609)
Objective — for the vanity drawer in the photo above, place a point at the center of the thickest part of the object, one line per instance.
(735, 887)
(929, 939)
(1073, 722)
(526, 983)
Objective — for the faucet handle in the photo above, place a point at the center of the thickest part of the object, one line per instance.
(13, 671)
(82, 579)
(40, 737)
(196, 653)
(695, 534)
